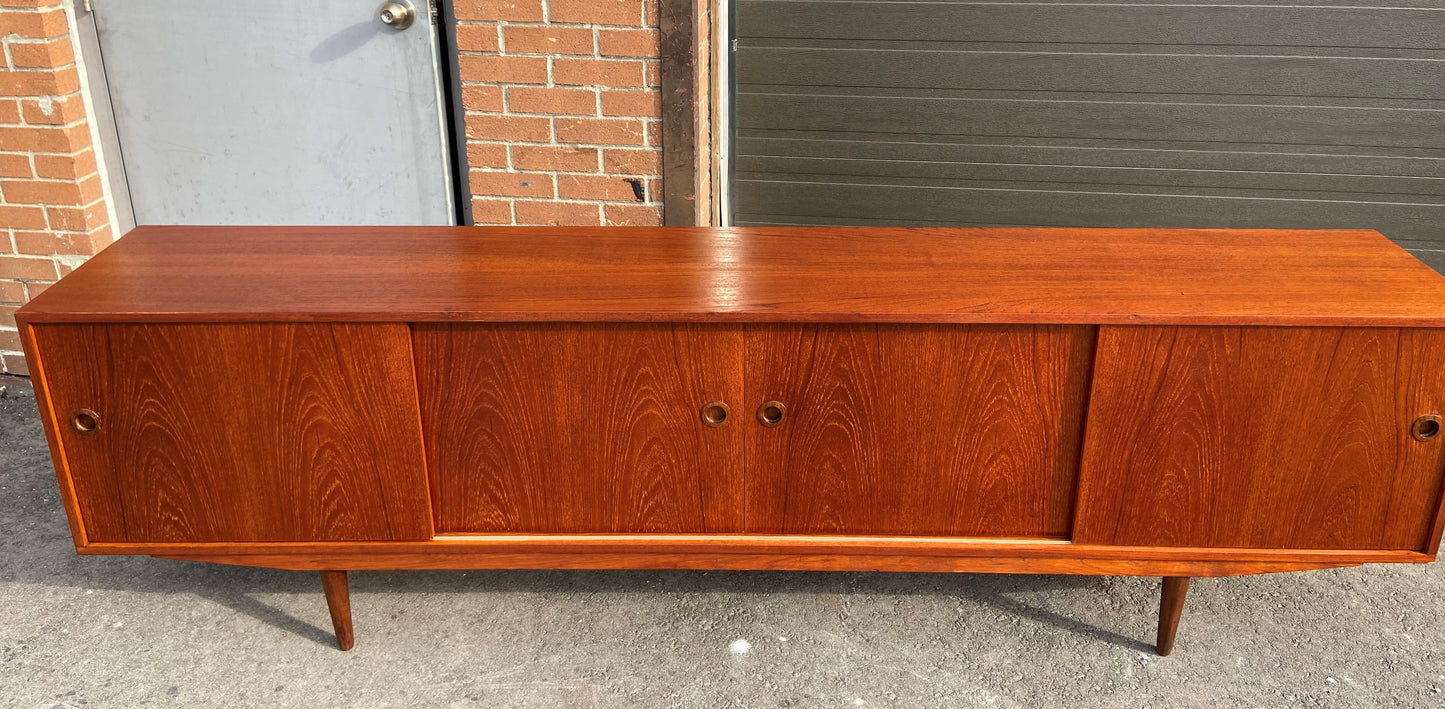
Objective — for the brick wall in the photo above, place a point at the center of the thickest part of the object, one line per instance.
(52, 211)
(562, 110)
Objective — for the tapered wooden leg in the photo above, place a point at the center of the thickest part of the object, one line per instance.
(1171, 604)
(338, 601)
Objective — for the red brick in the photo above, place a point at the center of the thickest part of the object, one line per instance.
(654, 189)
(75, 218)
(477, 38)
(91, 189)
(14, 165)
(10, 340)
(65, 167)
(101, 237)
(547, 40)
(632, 162)
(9, 111)
(512, 10)
(652, 16)
(27, 268)
(510, 184)
(621, 73)
(633, 215)
(29, 3)
(557, 213)
(482, 98)
(654, 74)
(607, 187)
(47, 111)
(600, 131)
(12, 292)
(654, 133)
(12, 217)
(597, 12)
(503, 70)
(35, 289)
(628, 43)
(487, 154)
(562, 158)
(43, 140)
(35, 243)
(632, 103)
(41, 192)
(46, 55)
(47, 243)
(552, 101)
(15, 364)
(532, 128)
(34, 25)
(39, 83)
(491, 211)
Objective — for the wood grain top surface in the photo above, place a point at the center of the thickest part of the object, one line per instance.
(765, 274)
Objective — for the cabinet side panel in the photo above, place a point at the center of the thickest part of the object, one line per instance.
(1419, 469)
(264, 432)
(51, 420)
(581, 428)
(916, 429)
(1262, 437)
(77, 372)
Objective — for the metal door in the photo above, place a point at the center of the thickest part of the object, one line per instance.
(277, 112)
(1191, 113)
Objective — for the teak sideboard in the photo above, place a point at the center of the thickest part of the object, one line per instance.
(1171, 403)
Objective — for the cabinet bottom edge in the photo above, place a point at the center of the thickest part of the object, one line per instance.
(763, 552)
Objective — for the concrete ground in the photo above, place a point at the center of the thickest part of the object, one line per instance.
(123, 632)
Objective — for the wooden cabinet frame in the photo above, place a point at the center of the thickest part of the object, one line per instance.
(1142, 402)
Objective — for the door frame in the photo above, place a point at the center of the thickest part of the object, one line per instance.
(695, 50)
(724, 53)
(454, 114)
(94, 87)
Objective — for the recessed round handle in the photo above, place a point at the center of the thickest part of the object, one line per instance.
(715, 413)
(397, 15)
(1426, 427)
(771, 413)
(85, 421)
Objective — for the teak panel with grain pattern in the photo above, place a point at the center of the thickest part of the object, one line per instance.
(916, 430)
(1283, 438)
(208, 433)
(754, 275)
(581, 428)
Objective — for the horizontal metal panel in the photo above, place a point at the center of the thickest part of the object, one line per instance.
(1161, 70)
(1432, 258)
(946, 174)
(1181, 155)
(896, 204)
(1093, 113)
(1078, 117)
(1315, 25)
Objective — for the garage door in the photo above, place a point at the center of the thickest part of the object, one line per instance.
(1185, 114)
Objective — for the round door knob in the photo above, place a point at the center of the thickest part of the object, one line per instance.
(85, 421)
(714, 413)
(1426, 427)
(397, 15)
(771, 413)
